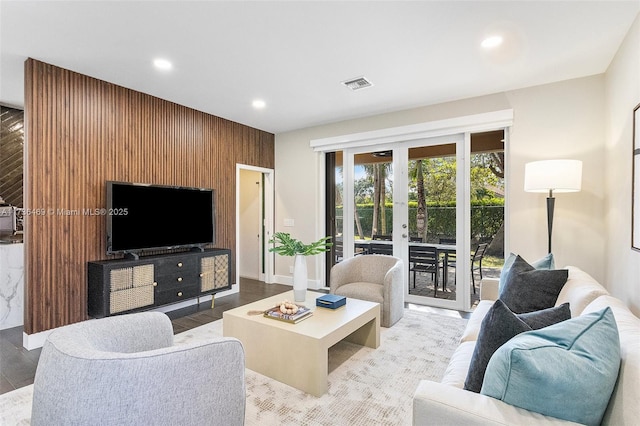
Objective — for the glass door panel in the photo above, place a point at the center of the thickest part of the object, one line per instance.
(487, 182)
(432, 218)
(338, 207)
(373, 202)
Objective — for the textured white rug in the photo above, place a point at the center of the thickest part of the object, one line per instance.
(366, 386)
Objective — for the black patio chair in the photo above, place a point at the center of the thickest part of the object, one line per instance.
(477, 257)
(450, 259)
(379, 248)
(424, 259)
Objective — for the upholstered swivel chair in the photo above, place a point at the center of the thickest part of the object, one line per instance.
(125, 370)
(376, 278)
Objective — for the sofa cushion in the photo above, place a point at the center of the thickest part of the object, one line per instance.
(474, 323)
(527, 289)
(498, 327)
(567, 370)
(546, 317)
(546, 262)
(580, 290)
(623, 406)
(458, 365)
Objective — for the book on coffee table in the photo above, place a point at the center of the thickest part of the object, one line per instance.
(331, 301)
(302, 314)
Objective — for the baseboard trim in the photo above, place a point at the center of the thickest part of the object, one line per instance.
(288, 280)
(36, 340)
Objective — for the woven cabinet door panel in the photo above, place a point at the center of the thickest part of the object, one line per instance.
(207, 273)
(121, 279)
(221, 271)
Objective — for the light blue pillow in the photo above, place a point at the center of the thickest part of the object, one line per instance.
(546, 262)
(567, 370)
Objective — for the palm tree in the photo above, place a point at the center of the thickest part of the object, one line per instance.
(421, 212)
(340, 201)
(379, 172)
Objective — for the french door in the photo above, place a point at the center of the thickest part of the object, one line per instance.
(395, 220)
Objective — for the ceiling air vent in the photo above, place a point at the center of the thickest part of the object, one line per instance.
(357, 83)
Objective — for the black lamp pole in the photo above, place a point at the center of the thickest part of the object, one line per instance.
(550, 204)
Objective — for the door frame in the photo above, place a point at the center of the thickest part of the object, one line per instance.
(462, 143)
(266, 261)
(400, 209)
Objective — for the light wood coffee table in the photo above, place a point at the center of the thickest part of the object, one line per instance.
(297, 354)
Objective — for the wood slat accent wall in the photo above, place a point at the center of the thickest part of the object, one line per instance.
(81, 132)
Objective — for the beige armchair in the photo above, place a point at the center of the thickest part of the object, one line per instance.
(376, 278)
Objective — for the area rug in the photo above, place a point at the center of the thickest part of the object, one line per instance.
(366, 386)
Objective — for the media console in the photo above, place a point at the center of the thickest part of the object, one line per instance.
(128, 285)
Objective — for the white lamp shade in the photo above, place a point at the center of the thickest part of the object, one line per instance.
(555, 175)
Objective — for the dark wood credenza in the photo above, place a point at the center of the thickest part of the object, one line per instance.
(130, 285)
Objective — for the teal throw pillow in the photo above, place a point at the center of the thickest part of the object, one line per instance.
(546, 262)
(567, 370)
(527, 289)
(498, 326)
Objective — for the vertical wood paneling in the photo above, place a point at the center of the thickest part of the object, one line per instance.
(81, 132)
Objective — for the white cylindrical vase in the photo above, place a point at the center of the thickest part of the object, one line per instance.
(300, 278)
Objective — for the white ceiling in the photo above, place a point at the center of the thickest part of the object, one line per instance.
(294, 54)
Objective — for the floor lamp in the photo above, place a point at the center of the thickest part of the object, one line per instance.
(552, 176)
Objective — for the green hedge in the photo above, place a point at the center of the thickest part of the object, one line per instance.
(486, 219)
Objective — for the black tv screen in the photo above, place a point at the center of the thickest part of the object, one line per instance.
(151, 217)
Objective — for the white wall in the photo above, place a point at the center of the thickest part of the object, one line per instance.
(622, 88)
(561, 120)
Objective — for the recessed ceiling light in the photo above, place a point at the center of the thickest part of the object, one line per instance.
(162, 64)
(259, 104)
(491, 42)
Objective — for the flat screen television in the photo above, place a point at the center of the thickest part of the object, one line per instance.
(155, 217)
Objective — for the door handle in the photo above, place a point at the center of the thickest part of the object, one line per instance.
(404, 235)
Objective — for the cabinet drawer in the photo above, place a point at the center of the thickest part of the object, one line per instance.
(176, 265)
(178, 280)
(176, 294)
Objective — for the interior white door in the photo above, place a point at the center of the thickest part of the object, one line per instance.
(250, 205)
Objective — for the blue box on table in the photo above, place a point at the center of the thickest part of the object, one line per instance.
(331, 301)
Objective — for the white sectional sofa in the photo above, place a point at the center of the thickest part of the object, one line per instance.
(447, 403)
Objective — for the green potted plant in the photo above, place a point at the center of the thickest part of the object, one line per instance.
(284, 245)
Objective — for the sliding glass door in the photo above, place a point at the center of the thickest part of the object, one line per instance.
(431, 202)
(430, 213)
(382, 200)
(432, 218)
